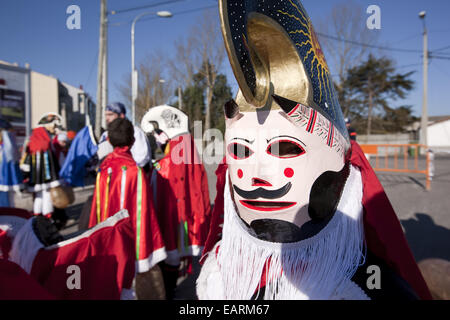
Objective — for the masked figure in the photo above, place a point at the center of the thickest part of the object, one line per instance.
(304, 216)
(122, 184)
(40, 165)
(180, 189)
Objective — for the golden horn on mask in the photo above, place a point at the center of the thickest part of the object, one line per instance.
(273, 50)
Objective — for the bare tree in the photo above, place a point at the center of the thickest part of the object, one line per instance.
(201, 52)
(210, 48)
(343, 34)
(155, 86)
(183, 66)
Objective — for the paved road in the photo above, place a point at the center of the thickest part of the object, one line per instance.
(424, 215)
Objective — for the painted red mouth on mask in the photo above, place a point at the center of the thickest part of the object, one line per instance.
(267, 205)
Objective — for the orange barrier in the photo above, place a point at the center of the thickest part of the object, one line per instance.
(399, 150)
(369, 148)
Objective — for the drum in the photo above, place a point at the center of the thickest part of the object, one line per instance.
(150, 285)
(62, 196)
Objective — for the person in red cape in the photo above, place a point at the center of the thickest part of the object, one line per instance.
(40, 167)
(182, 204)
(121, 184)
(299, 213)
(36, 263)
(383, 232)
(384, 236)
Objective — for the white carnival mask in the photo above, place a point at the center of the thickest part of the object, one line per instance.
(286, 137)
(274, 162)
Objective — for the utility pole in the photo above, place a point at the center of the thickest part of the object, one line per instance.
(180, 99)
(105, 71)
(424, 119)
(100, 70)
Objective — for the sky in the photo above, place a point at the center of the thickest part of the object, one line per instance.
(35, 32)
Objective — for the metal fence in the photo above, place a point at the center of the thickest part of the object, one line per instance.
(401, 158)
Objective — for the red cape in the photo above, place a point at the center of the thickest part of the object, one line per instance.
(383, 233)
(105, 258)
(137, 199)
(109, 244)
(16, 284)
(183, 203)
(39, 140)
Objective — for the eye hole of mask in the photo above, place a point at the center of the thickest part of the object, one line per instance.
(285, 149)
(239, 151)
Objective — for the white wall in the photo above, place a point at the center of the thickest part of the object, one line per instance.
(439, 134)
(399, 138)
(44, 96)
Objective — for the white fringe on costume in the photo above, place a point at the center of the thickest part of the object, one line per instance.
(320, 267)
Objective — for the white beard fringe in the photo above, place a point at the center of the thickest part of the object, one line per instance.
(319, 268)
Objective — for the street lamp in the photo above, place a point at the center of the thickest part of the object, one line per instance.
(134, 73)
(424, 119)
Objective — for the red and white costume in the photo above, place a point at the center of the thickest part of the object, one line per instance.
(121, 184)
(363, 198)
(33, 271)
(182, 199)
(41, 170)
(299, 212)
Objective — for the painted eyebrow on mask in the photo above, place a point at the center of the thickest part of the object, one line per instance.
(246, 140)
(285, 136)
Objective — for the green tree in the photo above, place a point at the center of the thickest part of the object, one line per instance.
(221, 94)
(372, 86)
(194, 100)
(395, 120)
(194, 97)
(343, 22)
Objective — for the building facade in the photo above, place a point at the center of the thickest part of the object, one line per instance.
(25, 95)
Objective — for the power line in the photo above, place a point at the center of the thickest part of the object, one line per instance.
(409, 65)
(439, 57)
(144, 7)
(442, 70)
(396, 67)
(368, 45)
(92, 68)
(185, 12)
(408, 38)
(214, 6)
(441, 49)
(174, 13)
(446, 30)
